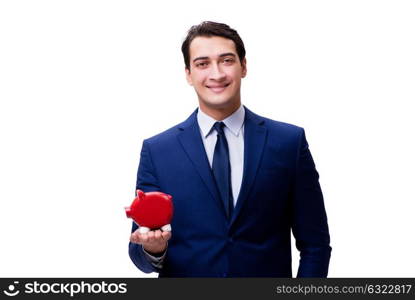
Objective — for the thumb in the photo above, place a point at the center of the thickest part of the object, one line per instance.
(166, 235)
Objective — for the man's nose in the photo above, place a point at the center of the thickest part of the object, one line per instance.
(216, 73)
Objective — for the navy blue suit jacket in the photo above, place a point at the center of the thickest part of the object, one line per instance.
(280, 192)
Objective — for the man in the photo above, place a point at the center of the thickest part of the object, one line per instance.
(240, 182)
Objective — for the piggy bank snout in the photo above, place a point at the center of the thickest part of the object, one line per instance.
(128, 211)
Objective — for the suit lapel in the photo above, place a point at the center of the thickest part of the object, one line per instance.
(192, 143)
(254, 141)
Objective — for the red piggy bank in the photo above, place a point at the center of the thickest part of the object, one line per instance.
(151, 210)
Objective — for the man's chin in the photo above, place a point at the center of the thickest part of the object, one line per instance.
(219, 104)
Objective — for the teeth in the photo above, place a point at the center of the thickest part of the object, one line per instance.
(218, 89)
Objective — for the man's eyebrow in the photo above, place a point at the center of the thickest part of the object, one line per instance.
(200, 58)
(227, 54)
(220, 55)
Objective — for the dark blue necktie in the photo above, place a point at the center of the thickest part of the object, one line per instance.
(221, 168)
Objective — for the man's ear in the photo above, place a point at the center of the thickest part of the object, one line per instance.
(188, 78)
(244, 69)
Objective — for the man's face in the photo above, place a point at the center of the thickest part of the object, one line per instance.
(215, 73)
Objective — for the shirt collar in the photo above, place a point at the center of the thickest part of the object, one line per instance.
(234, 122)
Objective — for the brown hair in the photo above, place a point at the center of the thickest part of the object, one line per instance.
(209, 29)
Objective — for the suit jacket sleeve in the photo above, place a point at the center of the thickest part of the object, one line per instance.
(310, 227)
(147, 182)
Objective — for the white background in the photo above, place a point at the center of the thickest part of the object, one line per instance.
(82, 83)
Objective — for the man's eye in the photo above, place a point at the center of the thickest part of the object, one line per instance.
(201, 64)
(228, 60)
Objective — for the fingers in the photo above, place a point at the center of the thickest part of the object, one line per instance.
(151, 237)
(166, 235)
(136, 237)
(157, 235)
(139, 238)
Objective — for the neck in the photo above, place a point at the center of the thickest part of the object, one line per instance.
(219, 113)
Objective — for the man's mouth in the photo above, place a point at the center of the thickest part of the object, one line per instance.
(218, 88)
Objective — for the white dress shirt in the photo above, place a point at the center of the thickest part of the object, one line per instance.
(234, 132)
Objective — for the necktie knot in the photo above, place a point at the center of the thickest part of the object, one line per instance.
(218, 126)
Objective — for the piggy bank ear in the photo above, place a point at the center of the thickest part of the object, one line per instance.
(140, 194)
(169, 196)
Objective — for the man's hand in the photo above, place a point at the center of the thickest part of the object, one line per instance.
(154, 242)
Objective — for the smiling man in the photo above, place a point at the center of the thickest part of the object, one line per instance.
(240, 182)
